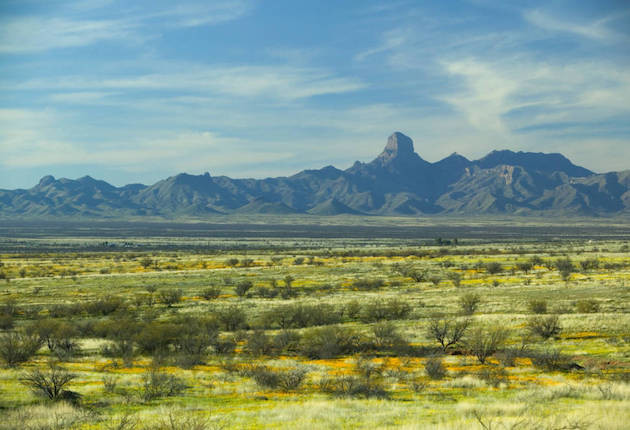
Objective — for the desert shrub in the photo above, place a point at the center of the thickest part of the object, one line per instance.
(565, 267)
(259, 343)
(65, 310)
(64, 342)
(299, 315)
(156, 384)
(380, 310)
(550, 359)
(225, 345)
(283, 379)
(146, 262)
(109, 383)
(484, 343)
(352, 386)
(211, 293)
(104, 306)
(122, 333)
(468, 303)
(493, 376)
(587, 306)
(286, 340)
(330, 341)
(386, 336)
(231, 262)
(525, 266)
(192, 337)
(267, 293)
(232, 318)
(435, 279)
(247, 262)
(242, 288)
(50, 383)
(493, 267)
(434, 368)
(169, 297)
(538, 306)
(18, 347)
(455, 278)
(545, 327)
(367, 284)
(447, 332)
(6, 322)
(352, 309)
(589, 264)
(155, 338)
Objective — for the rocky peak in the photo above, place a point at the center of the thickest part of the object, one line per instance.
(398, 146)
(46, 180)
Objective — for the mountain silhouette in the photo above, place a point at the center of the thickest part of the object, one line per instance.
(397, 182)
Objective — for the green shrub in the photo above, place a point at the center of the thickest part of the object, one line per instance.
(18, 347)
(386, 336)
(232, 318)
(242, 288)
(6, 322)
(352, 386)
(285, 380)
(258, 343)
(494, 267)
(469, 303)
(367, 284)
(484, 343)
(381, 310)
(434, 368)
(211, 293)
(170, 297)
(538, 306)
(156, 384)
(286, 341)
(550, 359)
(587, 306)
(330, 342)
(545, 327)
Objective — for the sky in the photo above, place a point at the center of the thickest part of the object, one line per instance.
(138, 91)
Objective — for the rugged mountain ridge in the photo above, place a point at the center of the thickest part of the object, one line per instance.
(396, 182)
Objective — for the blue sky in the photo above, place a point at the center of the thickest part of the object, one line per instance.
(137, 91)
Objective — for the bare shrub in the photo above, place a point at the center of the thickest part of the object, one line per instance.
(50, 383)
(447, 332)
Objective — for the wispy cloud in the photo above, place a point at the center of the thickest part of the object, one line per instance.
(275, 82)
(597, 29)
(82, 27)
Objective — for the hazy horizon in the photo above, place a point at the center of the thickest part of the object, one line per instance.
(245, 88)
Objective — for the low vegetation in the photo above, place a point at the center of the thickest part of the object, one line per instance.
(325, 333)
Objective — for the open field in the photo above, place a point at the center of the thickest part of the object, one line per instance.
(393, 324)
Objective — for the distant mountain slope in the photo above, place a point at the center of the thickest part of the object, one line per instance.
(397, 182)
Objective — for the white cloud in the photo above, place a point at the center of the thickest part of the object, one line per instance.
(275, 82)
(593, 30)
(29, 34)
(25, 34)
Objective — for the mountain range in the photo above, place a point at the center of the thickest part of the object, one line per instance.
(397, 182)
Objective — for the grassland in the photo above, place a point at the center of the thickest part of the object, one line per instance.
(276, 329)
